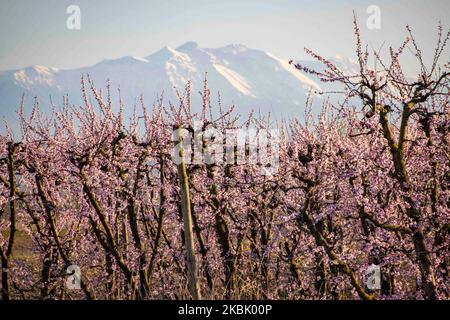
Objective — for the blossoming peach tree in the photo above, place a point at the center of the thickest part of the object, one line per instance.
(365, 182)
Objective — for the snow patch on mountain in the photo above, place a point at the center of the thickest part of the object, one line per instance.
(29, 77)
(235, 79)
(307, 83)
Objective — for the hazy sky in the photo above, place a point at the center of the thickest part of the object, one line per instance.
(35, 32)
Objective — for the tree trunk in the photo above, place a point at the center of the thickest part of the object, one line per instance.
(194, 287)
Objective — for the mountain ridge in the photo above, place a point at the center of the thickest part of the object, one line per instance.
(249, 78)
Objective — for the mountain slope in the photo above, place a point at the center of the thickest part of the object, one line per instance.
(248, 78)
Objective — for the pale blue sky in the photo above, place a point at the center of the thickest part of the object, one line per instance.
(34, 32)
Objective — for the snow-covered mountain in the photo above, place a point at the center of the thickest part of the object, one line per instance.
(247, 78)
